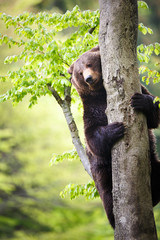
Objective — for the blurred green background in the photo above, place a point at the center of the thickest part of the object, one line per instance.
(30, 205)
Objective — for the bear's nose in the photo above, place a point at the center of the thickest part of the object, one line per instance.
(89, 79)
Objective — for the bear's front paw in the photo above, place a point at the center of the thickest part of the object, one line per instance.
(142, 102)
(116, 131)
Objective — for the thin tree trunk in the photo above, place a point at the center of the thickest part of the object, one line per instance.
(130, 157)
(66, 108)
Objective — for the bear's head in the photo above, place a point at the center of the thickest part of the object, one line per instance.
(86, 72)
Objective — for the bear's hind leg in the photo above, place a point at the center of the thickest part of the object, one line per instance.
(103, 181)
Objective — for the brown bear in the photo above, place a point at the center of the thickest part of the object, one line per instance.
(100, 136)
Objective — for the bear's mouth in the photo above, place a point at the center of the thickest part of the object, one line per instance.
(96, 84)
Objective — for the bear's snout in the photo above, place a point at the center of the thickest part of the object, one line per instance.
(88, 75)
(89, 79)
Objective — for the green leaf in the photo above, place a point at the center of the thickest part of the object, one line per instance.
(157, 48)
(150, 31)
(143, 78)
(157, 99)
(142, 4)
(157, 64)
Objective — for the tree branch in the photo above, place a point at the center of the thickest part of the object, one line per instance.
(66, 108)
(63, 59)
(92, 29)
(55, 95)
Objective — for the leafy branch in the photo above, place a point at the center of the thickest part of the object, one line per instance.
(88, 190)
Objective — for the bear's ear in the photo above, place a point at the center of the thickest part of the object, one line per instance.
(70, 70)
(95, 49)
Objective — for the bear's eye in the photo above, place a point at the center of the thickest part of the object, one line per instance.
(81, 73)
(89, 65)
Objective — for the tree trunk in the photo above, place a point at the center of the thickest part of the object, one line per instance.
(130, 157)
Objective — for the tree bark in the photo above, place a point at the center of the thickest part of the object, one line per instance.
(130, 157)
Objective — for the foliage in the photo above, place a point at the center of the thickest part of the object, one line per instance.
(144, 55)
(16, 187)
(75, 190)
(46, 57)
(70, 155)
